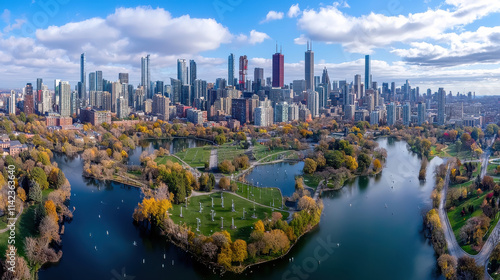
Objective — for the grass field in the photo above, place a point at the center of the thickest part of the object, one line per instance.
(195, 157)
(262, 195)
(456, 219)
(491, 169)
(24, 228)
(281, 155)
(229, 151)
(451, 150)
(243, 227)
(311, 180)
(164, 159)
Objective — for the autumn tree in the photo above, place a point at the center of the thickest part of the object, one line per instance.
(448, 266)
(309, 166)
(50, 209)
(468, 269)
(299, 183)
(377, 166)
(351, 163)
(239, 253)
(224, 183)
(39, 176)
(226, 167)
(225, 256)
(488, 183)
(306, 203)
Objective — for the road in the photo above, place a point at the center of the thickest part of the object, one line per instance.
(213, 160)
(453, 248)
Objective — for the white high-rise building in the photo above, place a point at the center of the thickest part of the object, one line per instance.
(313, 103)
(12, 102)
(391, 114)
(406, 114)
(64, 99)
(182, 72)
(145, 76)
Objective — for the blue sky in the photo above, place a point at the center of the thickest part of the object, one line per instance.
(451, 43)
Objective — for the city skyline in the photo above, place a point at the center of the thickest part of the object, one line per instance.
(53, 51)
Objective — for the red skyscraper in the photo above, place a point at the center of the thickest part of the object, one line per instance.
(278, 69)
(243, 71)
(29, 102)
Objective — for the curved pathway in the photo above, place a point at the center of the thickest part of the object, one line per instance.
(454, 248)
(17, 217)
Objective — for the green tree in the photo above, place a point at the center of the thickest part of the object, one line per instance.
(334, 159)
(220, 139)
(39, 176)
(35, 192)
(364, 161)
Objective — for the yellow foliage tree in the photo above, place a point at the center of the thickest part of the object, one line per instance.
(240, 252)
(259, 226)
(50, 208)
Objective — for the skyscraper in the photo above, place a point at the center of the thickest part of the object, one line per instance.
(243, 71)
(92, 80)
(357, 86)
(230, 70)
(391, 114)
(258, 78)
(368, 76)
(441, 104)
(278, 69)
(29, 102)
(39, 83)
(12, 102)
(406, 114)
(309, 67)
(145, 76)
(123, 78)
(64, 99)
(98, 81)
(82, 94)
(325, 80)
(182, 73)
(421, 113)
(313, 103)
(192, 72)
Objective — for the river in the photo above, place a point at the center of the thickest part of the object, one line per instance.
(377, 222)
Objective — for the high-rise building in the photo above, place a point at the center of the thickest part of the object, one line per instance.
(393, 89)
(298, 86)
(46, 100)
(293, 112)
(122, 107)
(258, 78)
(391, 114)
(12, 102)
(421, 113)
(200, 89)
(281, 112)
(145, 76)
(182, 72)
(243, 72)
(374, 117)
(176, 90)
(99, 81)
(82, 90)
(407, 91)
(313, 103)
(123, 78)
(357, 86)
(441, 95)
(186, 97)
(64, 99)
(240, 110)
(29, 102)
(325, 80)
(230, 70)
(39, 83)
(92, 81)
(192, 72)
(309, 67)
(278, 69)
(368, 75)
(406, 114)
(116, 92)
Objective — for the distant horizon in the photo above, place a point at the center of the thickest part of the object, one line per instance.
(447, 43)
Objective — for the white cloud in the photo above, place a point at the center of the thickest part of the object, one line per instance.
(364, 33)
(471, 47)
(257, 37)
(293, 11)
(272, 15)
(5, 16)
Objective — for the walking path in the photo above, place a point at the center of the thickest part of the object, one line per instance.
(454, 248)
(17, 217)
(213, 159)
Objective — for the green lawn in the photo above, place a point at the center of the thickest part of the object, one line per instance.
(491, 169)
(164, 159)
(243, 227)
(462, 155)
(261, 195)
(277, 155)
(24, 227)
(311, 180)
(456, 219)
(195, 157)
(229, 151)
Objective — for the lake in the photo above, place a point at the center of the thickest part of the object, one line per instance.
(376, 222)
